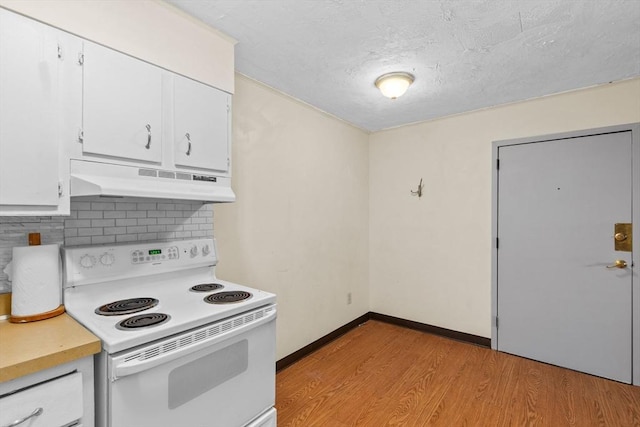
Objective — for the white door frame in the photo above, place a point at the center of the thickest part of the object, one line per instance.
(635, 286)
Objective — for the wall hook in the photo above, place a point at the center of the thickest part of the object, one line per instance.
(419, 192)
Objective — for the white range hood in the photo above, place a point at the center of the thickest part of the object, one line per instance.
(89, 178)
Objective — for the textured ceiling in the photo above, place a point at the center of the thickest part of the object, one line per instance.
(465, 54)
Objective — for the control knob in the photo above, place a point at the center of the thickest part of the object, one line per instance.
(193, 251)
(107, 259)
(206, 250)
(87, 261)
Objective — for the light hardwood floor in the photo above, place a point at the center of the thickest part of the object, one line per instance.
(384, 375)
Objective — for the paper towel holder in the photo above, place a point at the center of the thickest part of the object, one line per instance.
(40, 316)
(34, 240)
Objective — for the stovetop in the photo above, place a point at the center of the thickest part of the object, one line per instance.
(90, 285)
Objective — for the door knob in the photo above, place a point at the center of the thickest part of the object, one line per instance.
(620, 263)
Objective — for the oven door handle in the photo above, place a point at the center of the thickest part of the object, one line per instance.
(125, 365)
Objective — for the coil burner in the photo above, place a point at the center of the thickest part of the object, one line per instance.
(143, 321)
(206, 287)
(126, 306)
(227, 297)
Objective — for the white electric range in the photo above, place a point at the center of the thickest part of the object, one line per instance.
(179, 346)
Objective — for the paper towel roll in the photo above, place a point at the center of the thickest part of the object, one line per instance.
(36, 286)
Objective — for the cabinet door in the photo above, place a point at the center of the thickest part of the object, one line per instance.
(201, 126)
(29, 91)
(121, 106)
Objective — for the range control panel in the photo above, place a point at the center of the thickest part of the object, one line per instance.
(91, 264)
(153, 255)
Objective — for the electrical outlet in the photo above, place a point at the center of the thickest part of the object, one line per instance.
(348, 298)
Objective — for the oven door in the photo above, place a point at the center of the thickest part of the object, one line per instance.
(219, 375)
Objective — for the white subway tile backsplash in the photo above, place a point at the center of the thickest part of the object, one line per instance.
(115, 230)
(126, 222)
(147, 221)
(126, 206)
(101, 240)
(132, 219)
(114, 214)
(156, 214)
(77, 223)
(90, 232)
(75, 241)
(123, 238)
(170, 235)
(96, 221)
(137, 229)
(103, 223)
(136, 214)
(89, 214)
(147, 236)
(147, 206)
(81, 206)
(102, 206)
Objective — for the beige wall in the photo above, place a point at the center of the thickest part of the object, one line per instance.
(430, 257)
(299, 227)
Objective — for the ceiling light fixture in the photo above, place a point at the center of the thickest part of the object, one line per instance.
(393, 85)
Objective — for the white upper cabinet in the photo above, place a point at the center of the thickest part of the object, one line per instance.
(200, 126)
(122, 106)
(136, 112)
(37, 66)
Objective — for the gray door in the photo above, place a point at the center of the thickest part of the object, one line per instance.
(557, 301)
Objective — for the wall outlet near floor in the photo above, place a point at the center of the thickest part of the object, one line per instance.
(348, 298)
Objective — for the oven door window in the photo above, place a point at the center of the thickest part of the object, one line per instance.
(193, 379)
(226, 384)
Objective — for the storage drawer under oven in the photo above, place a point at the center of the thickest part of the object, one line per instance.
(55, 403)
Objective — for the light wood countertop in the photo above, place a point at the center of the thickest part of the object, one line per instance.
(26, 348)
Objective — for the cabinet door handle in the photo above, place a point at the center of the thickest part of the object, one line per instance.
(148, 137)
(35, 413)
(189, 141)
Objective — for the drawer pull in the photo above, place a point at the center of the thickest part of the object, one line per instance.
(35, 413)
(148, 137)
(189, 141)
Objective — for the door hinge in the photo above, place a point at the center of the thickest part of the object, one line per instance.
(498, 164)
(60, 189)
(59, 51)
(80, 136)
(497, 322)
(497, 243)
(81, 58)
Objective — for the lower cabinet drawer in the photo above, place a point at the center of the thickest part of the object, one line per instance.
(54, 403)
